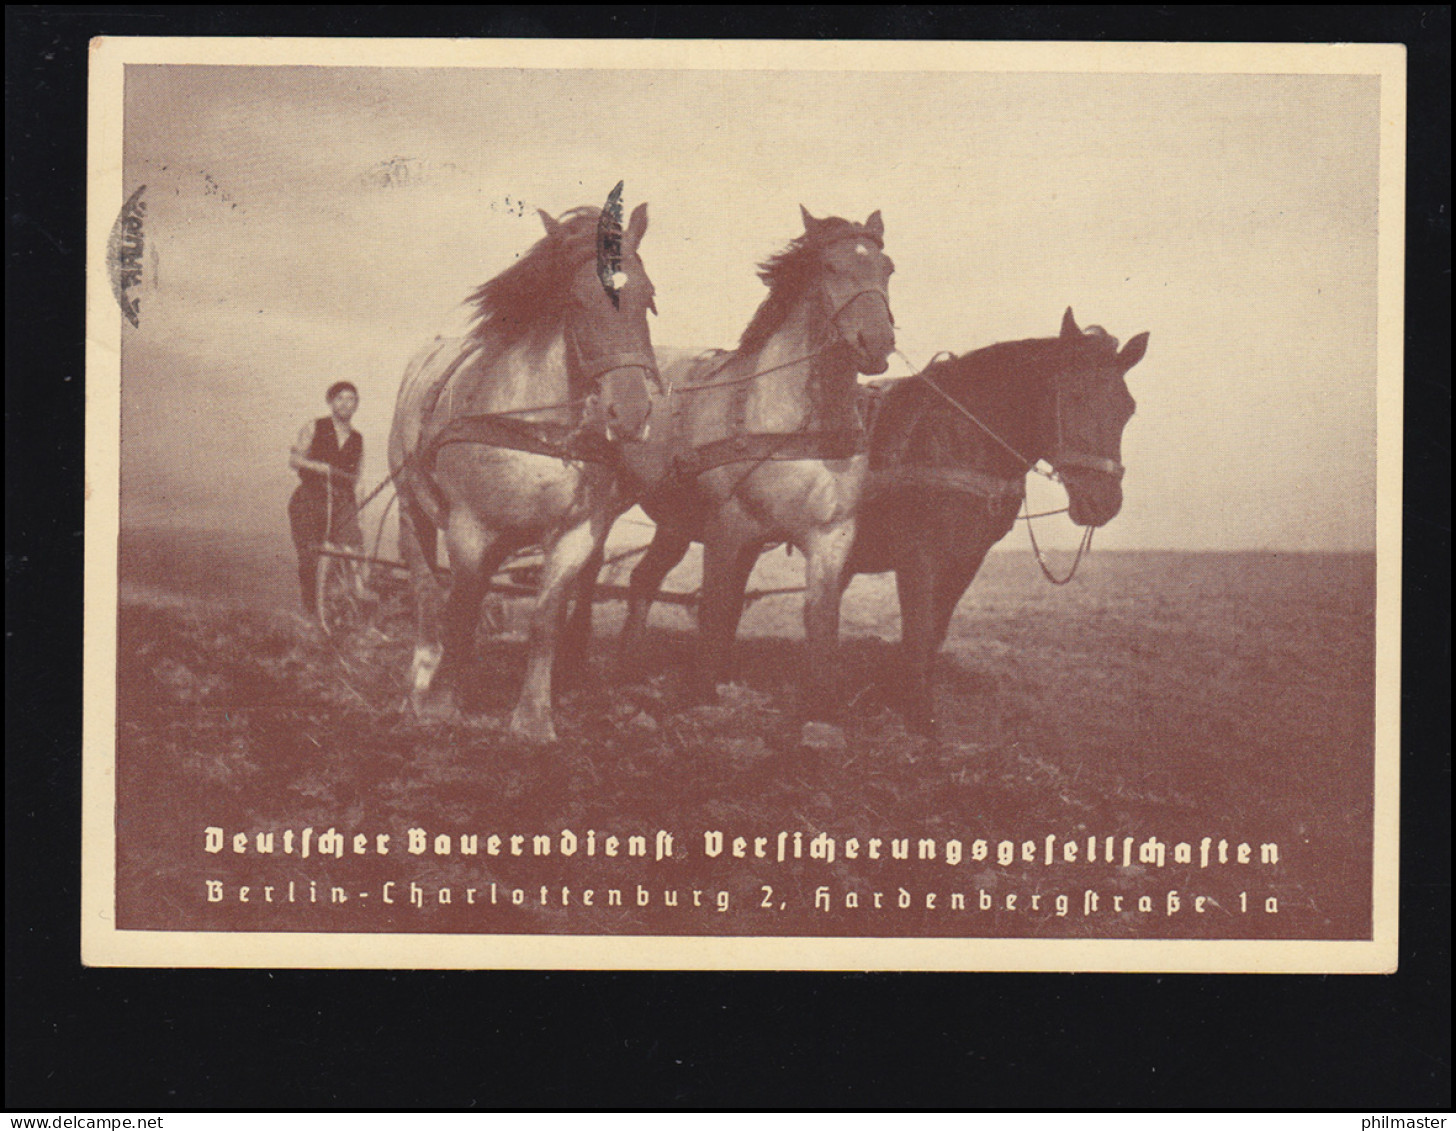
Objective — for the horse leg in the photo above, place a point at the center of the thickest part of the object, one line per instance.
(475, 553)
(916, 580)
(669, 546)
(417, 540)
(416, 524)
(727, 564)
(564, 561)
(826, 555)
(575, 646)
(951, 585)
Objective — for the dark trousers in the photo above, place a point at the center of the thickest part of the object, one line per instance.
(308, 517)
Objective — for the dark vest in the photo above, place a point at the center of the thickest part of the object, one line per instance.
(325, 449)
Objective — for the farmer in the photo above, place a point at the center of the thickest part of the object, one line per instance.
(326, 455)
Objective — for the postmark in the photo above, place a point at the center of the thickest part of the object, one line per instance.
(1184, 759)
(124, 252)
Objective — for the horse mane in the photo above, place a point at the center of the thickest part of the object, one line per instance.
(533, 291)
(999, 363)
(787, 274)
(1005, 385)
(1012, 362)
(998, 375)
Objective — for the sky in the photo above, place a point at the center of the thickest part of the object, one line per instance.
(311, 224)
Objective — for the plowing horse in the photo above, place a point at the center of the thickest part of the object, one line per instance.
(765, 444)
(948, 461)
(508, 438)
(949, 453)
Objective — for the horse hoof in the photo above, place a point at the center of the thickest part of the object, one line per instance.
(822, 738)
(532, 728)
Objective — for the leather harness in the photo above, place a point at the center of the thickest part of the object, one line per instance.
(541, 437)
(513, 430)
(964, 480)
(760, 447)
(580, 443)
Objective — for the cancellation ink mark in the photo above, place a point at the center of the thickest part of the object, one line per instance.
(609, 244)
(124, 255)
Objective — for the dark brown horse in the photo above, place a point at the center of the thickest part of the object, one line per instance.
(507, 438)
(765, 444)
(948, 463)
(949, 454)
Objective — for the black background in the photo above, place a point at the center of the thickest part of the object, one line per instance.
(137, 1039)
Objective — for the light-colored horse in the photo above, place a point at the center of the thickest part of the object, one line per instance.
(764, 445)
(474, 452)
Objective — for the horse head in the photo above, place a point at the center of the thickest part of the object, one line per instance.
(609, 343)
(1090, 408)
(854, 275)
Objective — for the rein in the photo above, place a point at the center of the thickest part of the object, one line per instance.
(919, 374)
(594, 370)
(497, 430)
(598, 366)
(732, 381)
(1083, 548)
(504, 429)
(828, 341)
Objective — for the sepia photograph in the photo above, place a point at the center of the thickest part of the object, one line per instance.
(743, 505)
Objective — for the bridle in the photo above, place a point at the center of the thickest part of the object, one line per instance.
(1063, 457)
(879, 292)
(591, 370)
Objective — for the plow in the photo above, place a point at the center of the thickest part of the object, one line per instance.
(359, 591)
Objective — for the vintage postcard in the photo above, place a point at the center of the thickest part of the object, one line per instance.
(743, 505)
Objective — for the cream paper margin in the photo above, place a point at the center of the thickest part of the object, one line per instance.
(102, 944)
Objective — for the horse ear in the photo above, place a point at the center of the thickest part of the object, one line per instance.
(636, 227)
(875, 226)
(1069, 325)
(1132, 353)
(551, 226)
(809, 222)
